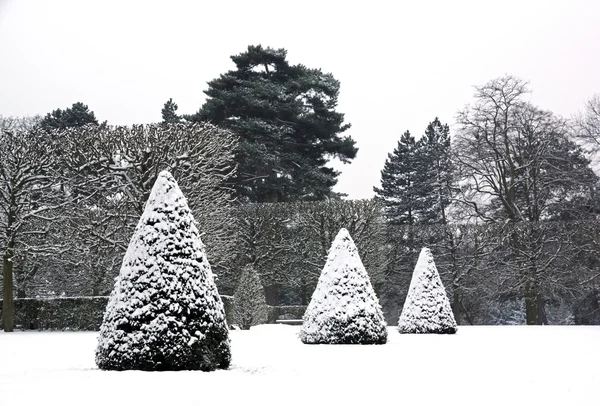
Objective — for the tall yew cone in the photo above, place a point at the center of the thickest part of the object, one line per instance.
(164, 312)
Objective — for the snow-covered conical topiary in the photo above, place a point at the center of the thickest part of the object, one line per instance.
(164, 312)
(344, 308)
(249, 302)
(427, 308)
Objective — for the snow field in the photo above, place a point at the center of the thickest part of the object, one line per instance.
(495, 365)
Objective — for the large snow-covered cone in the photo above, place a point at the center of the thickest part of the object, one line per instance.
(164, 312)
(344, 308)
(427, 308)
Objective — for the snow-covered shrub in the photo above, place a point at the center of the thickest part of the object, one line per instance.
(249, 302)
(164, 312)
(427, 308)
(344, 308)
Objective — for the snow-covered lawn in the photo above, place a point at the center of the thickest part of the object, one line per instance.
(270, 366)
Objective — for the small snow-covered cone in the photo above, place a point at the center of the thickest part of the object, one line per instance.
(164, 312)
(344, 308)
(427, 308)
(249, 302)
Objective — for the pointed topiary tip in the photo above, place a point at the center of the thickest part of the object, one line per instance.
(343, 234)
(165, 174)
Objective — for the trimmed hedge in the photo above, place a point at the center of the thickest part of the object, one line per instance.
(86, 312)
(63, 313)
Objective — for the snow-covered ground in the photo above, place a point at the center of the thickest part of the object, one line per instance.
(515, 365)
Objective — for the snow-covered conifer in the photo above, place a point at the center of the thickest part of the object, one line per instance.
(250, 304)
(344, 308)
(164, 312)
(427, 308)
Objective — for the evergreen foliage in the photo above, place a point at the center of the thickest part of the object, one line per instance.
(427, 308)
(398, 182)
(435, 173)
(169, 112)
(250, 305)
(77, 115)
(286, 118)
(416, 178)
(344, 308)
(164, 312)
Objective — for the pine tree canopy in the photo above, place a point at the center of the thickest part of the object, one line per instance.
(77, 115)
(417, 176)
(169, 112)
(435, 176)
(286, 119)
(398, 182)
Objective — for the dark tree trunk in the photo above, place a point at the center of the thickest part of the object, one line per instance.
(456, 306)
(8, 321)
(272, 295)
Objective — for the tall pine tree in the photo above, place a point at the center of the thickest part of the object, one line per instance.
(398, 177)
(435, 174)
(286, 118)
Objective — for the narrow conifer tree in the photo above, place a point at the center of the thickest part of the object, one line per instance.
(427, 308)
(250, 304)
(165, 312)
(344, 308)
(398, 179)
(433, 183)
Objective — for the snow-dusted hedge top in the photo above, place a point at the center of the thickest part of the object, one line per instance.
(427, 308)
(344, 308)
(164, 312)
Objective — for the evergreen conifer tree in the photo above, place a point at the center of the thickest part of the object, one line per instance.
(164, 312)
(434, 176)
(286, 118)
(344, 308)
(169, 112)
(77, 115)
(427, 308)
(398, 182)
(250, 305)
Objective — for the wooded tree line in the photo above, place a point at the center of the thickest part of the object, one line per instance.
(507, 202)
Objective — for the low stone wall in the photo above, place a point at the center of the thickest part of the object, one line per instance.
(85, 313)
(285, 313)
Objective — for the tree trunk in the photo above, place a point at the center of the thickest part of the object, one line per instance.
(535, 311)
(272, 294)
(304, 292)
(8, 311)
(456, 305)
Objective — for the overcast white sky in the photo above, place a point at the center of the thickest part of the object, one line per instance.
(400, 63)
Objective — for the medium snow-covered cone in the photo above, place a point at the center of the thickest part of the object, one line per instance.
(344, 308)
(427, 308)
(164, 312)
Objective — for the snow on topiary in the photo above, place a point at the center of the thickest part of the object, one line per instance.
(427, 308)
(249, 302)
(164, 312)
(344, 308)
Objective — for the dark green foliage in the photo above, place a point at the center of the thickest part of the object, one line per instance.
(399, 182)
(169, 112)
(416, 178)
(434, 171)
(68, 313)
(77, 115)
(587, 310)
(250, 306)
(285, 115)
